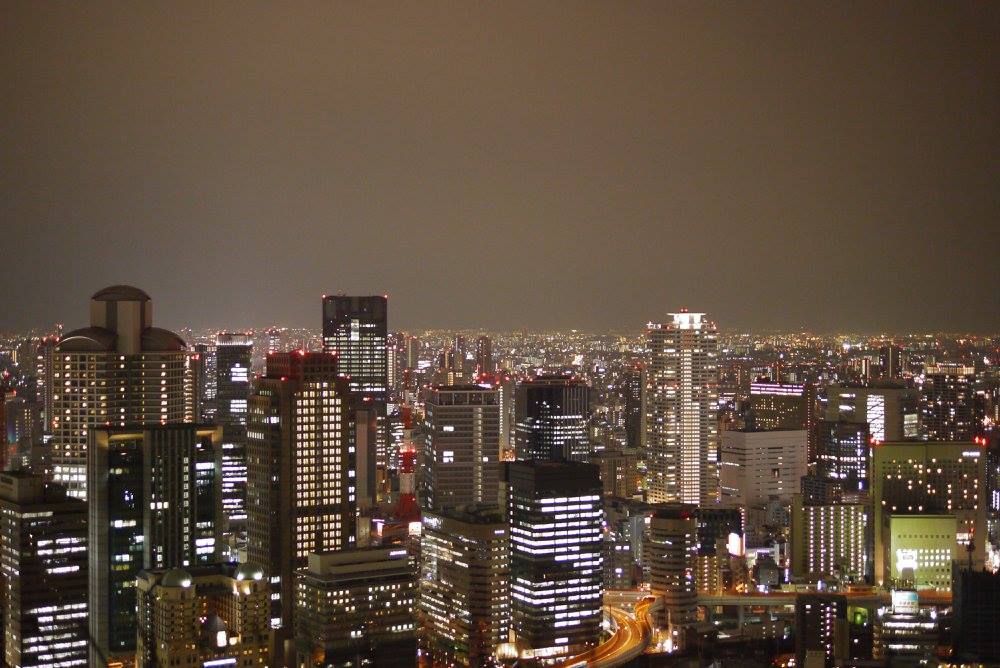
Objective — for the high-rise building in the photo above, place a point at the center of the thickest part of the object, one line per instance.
(889, 410)
(204, 369)
(118, 371)
(464, 585)
(233, 353)
(755, 466)
(484, 355)
(914, 483)
(619, 471)
(550, 419)
(782, 406)
(310, 471)
(976, 615)
(153, 502)
(356, 608)
(671, 550)
(45, 379)
(43, 560)
(948, 410)
(355, 328)
(630, 389)
(461, 446)
(204, 616)
(830, 540)
(843, 453)
(682, 410)
(555, 513)
(821, 629)
(891, 360)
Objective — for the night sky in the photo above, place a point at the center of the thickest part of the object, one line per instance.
(828, 166)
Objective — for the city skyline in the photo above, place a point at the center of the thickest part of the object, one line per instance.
(794, 166)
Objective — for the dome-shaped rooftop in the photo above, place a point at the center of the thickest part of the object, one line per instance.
(87, 339)
(176, 577)
(248, 572)
(120, 293)
(155, 339)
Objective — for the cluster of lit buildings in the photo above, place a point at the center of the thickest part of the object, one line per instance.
(368, 497)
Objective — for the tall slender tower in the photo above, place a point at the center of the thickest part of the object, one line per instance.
(551, 415)
(309, 480)
(119, 371)
(682, 430)
(355, 328)
(232, 383)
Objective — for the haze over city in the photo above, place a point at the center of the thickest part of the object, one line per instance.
(798, 166)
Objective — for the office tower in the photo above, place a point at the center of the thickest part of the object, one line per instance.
(619, 471)
(356, 608)
(630, 389)
(45, 363)
(310, 477)
(21, 430)
(904, 633)
(821, 629)
(464, 584)
(204, 616)
(43, 560)
(153, 502)
(355, 328)
(550, 419)
(918, 490)
(118, 371)
(976, 615)
(843, 453)
(948, 410)
(484, 355)
(232, 396)
(411, 348)
(461, 446)
(890, 361)
(782, 406)
(830, 540)
(671, 549)
(204, 362)
(625, 522)
(755, 466)
(716, 523)
(682, 410)
(555, 514)
(889, 410)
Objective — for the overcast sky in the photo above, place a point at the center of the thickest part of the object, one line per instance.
(828, 165)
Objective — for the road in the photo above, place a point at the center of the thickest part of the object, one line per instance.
(632, 634)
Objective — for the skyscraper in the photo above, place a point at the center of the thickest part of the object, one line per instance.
(355, 608)
(45, 380)
(682, 410)
(119, 371)
(232, 395)
(821, 629)
(555, 513)
(465, 584)
(355, 328)
(671, 549)
(43, 559)
(757, 465)
(948, 410)
(889, 409)
(308, 477)
(550, 419)
(153, 502)
(484, 355)
(461, 446)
